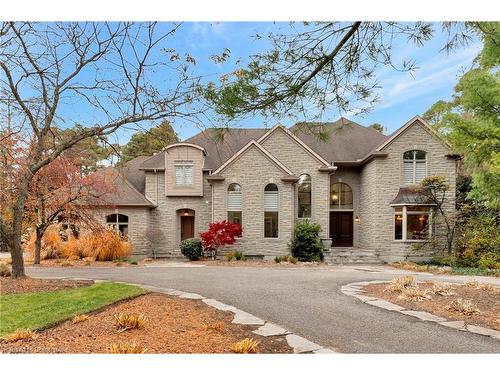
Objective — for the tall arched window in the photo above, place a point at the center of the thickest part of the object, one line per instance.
(340, 196)
(234, 203)
(304, 196)
(271, 208)
(118, 223)
(414, 166)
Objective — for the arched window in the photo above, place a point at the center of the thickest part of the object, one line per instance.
(304, 196)
(234, 203)
(340, 196)
(118, 223)
(414, 166)
(271, 208)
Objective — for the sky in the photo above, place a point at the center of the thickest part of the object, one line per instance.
(402, 95)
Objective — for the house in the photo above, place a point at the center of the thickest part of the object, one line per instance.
(357, 185)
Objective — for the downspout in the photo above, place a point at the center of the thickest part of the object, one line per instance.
(156, 201)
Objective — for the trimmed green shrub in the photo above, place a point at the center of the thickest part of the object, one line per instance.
(306, 244)
(293, 260)
(278, 259)
(229, 256)
(192, 248)
(238, 255)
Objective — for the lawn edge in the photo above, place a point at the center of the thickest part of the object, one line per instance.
(299, 344)
(356, 290)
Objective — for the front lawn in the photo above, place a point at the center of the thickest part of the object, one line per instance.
(40, 310)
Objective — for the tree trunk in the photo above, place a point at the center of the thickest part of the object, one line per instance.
(38, 246)
(16, 253)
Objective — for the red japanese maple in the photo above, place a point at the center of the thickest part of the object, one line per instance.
(220, 234)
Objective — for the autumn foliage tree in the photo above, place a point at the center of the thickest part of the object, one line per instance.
(220, 234)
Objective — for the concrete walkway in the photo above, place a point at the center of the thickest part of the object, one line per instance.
(307, 301)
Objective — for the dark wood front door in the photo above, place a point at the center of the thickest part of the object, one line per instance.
(187, 227)
(341, 228)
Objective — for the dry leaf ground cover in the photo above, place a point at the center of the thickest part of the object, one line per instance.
(428, 296)
(173, 325)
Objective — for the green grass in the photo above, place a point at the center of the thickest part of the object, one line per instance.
(474, 271)
(44, 309)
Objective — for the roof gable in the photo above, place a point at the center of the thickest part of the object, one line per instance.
(249, 145)
(295, 139)
(417, 120)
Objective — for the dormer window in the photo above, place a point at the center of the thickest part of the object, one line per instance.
(183, 173)
(414, 166)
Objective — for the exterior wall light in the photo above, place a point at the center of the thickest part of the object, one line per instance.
(357, 219)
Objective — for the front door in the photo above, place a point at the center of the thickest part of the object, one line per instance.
(187, 227)
(341, 228)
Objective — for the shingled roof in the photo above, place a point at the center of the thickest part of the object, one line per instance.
(348, 141)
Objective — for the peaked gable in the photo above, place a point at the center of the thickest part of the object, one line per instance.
(419, 121)
(259, 147)
(295, 139)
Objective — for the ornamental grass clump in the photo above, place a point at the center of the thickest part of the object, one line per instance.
(125, 322)
(398, 284)
(5, 270)
(442, 289)
(245, 346)
(52, 244)
(126, 348)
(100, 245)
(20, 334)
(79, 318)
(217, 326)
(414, 294)
(464, 307)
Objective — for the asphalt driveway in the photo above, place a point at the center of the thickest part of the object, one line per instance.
(306, 301)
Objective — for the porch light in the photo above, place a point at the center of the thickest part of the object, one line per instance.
(357, 220)
(335, 197)
(186, 212)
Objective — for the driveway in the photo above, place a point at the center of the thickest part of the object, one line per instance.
(306, 301)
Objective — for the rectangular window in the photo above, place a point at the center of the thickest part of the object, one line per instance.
(183, 174)
(270, 224)
(412, 223)
(234, 217)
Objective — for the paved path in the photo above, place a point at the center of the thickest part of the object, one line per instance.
(307, 301)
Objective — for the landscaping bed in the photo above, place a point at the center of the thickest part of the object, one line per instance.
(479, 303)
(445, 269)
(256, 263)
(173, 325)
(28, 285)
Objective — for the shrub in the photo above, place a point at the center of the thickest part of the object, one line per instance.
(126, 348)
(306, 244)
(278, 259)
(399, 283)
(229, 256)
(20, 334)
(220, 234)
(464, 307)
(124, 322)
(133, 262)
(192, 248)
(5, 270)
(489, 261)
(79, 318)
(238, 255)
(293, 260)
(245, 346)
(480, 235)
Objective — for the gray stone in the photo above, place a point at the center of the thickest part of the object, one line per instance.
(350, 292)
(191, 296)
(175, 293)
(270, 329)
(324, 351)
(364, 298)
(301, 345)
(385, 305)
(423, 315)
(219, 305)
(457, 324)
(242, 317)
(484, 331)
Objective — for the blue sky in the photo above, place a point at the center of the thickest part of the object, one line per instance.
(403, 95)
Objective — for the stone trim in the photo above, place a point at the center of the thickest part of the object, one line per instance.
(355, 290)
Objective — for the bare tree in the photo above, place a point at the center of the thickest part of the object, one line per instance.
(119, 74)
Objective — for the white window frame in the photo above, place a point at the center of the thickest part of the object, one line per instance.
(404, 213)
(277, 210)
(414, 162)
(115, 225)
(240, 209)
(184, 165)
(310, 197)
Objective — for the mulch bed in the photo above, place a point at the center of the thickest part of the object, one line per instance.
(62, 262)
(174, 326)
(488, 302)
(257, 263)
(9, 285)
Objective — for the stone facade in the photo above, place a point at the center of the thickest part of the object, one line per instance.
(374, 182)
